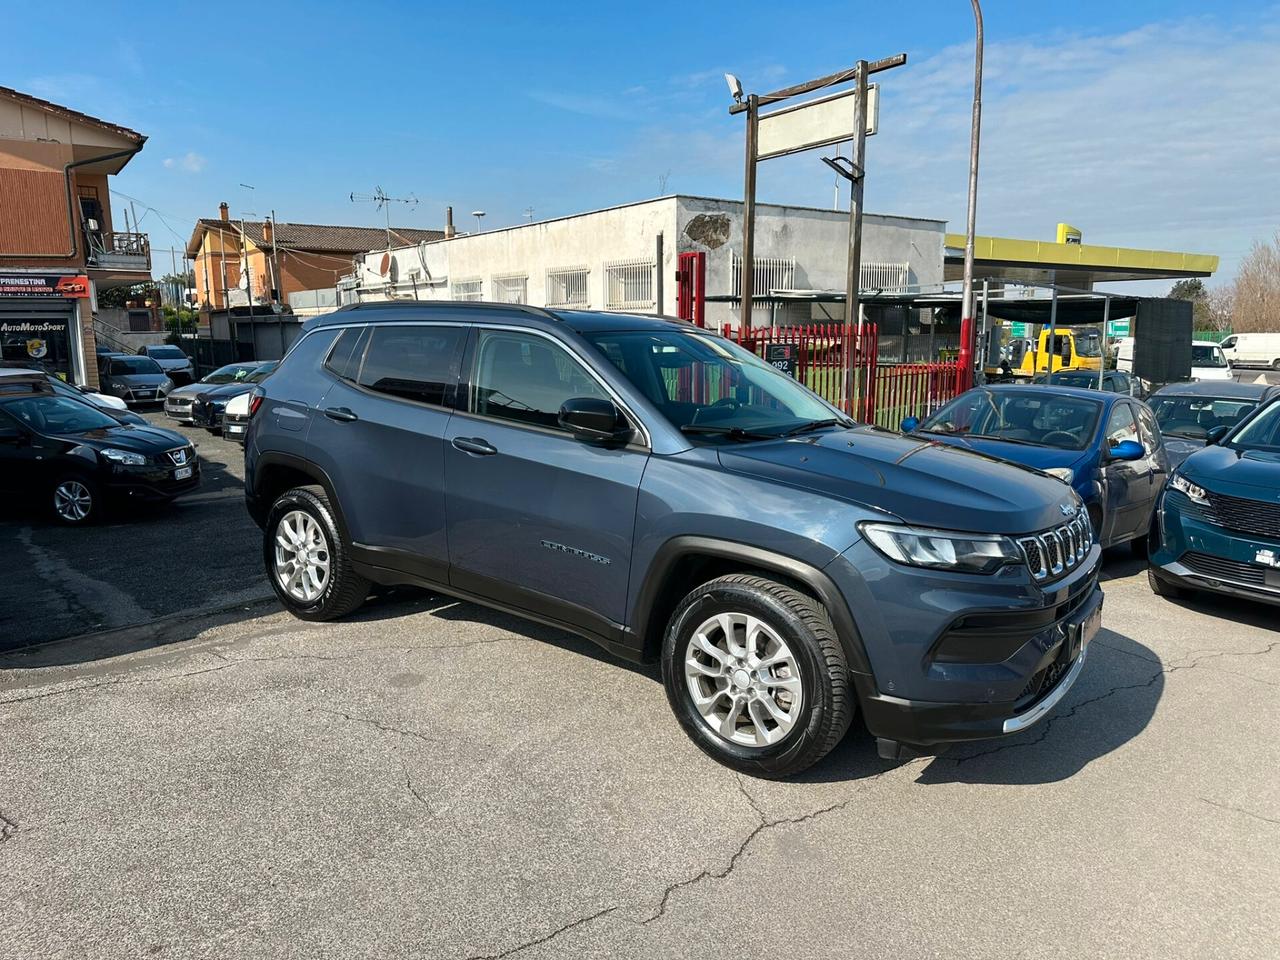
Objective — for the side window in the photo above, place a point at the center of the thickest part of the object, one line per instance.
(526, 378)
(416, 363)
(344, 358)
(1150, 429)
(1121, 425)
(1228, 343)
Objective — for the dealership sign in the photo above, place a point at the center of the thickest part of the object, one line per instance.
(46, 285)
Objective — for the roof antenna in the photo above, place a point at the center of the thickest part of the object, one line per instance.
(383, 202)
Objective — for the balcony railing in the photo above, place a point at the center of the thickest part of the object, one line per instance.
(119, 251)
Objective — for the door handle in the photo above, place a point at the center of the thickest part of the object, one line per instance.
(341, 414)
(475, 445)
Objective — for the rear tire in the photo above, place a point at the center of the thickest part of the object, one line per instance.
(1163, 588)
(307, 558)
(772, 686)
(1275, 364)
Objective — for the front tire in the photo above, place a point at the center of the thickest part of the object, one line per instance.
(756, 675)
(75, 500)
(307, 559)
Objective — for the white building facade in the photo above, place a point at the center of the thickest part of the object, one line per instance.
(609, 260)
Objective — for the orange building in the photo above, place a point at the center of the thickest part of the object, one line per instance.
(59, 242)
(278, 259)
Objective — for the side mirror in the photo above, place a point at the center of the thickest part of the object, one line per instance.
(1215, 435)
(592, 419)
(1128, 450)
(909, 424)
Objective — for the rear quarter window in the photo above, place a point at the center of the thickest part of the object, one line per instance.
(344, 359)
(413, 362)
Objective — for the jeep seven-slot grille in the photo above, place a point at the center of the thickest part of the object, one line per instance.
(1055, 553)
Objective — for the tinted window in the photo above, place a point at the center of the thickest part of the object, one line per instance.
(525, 378)
(262, 372)
(1202, 356)
(166, 353)
(417, 363)
(1262, 432)
(230, 373)
(1194, 417)
(1121, 425)
(344, 358)
(128, 366)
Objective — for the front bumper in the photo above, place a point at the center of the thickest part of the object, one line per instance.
(179, 409)
(1199, 555)
(234, 428)
(152, 482)
(925, 723)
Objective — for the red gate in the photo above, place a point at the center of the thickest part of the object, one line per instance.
(691, 288)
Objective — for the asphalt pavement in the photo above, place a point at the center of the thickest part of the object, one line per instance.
(431, 779)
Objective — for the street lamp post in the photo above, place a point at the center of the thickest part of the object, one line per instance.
(967, 327)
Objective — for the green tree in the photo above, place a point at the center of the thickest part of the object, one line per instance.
(1194, 290)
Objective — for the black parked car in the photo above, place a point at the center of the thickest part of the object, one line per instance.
(208, 407)
(1113, 381)
(68, 456)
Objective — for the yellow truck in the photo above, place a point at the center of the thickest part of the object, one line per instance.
(1072, 348)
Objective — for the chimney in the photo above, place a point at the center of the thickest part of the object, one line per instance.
(267, 232)
(449, 230)
(224, 212)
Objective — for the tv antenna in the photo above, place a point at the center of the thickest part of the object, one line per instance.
(381, 201)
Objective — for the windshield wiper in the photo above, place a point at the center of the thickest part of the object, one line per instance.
(733, 433)
(815, 425)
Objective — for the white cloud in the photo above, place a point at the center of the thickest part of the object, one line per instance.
(189, 162)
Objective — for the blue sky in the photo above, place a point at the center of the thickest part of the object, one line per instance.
(1144, 123)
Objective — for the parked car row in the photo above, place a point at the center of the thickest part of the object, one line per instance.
(204, 403)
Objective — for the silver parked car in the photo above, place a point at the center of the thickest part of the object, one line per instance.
(176, 364)
(134, 380)
(178, 402)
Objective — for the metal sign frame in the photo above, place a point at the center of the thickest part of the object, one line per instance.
(820, 112)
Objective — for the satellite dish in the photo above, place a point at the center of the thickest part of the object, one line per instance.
(384, 268)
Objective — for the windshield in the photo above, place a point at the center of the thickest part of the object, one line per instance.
(230, 373)
(1071, 379)
(48, 414)
(1019, 417)
(1194, 417)
(1088, 343)
(166, 353)
(261, 373)
(130, 366)
(712, 388)
(1207, 356)
(1262, 432)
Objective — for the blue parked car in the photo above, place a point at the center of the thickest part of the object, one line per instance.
(1106, 446)
(1219, 519)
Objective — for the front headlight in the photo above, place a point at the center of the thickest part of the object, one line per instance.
(1196, 492)
(942, 549)
(1065, 474)
(123, 456)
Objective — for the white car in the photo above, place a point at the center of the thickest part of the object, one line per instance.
(1207, 360)
(65, 389)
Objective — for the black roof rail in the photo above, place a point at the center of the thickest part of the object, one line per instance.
(428, 305)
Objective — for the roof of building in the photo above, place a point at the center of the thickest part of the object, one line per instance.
(74, 115)
(314, 237)
(1071, 264)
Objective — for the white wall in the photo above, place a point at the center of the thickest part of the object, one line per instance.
(816, 239)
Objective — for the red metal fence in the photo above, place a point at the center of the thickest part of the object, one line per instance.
(839, 363)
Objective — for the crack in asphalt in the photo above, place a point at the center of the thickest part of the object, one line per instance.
(742, 788)
(1234, 809)
(1189, 662)
(379, 725)
(541, 940)
(67, 691)
(8, 826)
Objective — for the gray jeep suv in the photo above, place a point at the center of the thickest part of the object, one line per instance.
(660, 490)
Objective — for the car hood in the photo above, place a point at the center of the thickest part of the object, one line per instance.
(1254, 474)
(922, 482)
(1041, 458)
(130, 437)
(170, 364)
(224, 392)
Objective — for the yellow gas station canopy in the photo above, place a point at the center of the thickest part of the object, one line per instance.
(1070, 264)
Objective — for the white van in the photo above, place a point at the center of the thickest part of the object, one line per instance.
(1253, 350)
(1207, 359)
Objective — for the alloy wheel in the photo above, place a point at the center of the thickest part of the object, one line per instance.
(743, 679)
(301, 557)
(72, 500)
